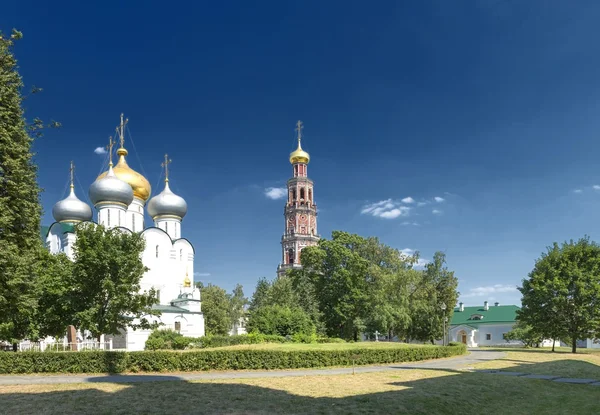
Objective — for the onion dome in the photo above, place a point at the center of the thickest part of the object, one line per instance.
(109, 188)
(187, 283)
(167, 203)
(71, 209)
(299, 155)
(141, 187)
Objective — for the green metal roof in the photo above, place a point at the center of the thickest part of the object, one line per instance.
(170, 309)
(495, 314)
(64, 227)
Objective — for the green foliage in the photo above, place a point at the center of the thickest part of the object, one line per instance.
(351, 284)
(106, 277)
(20, 208)
(56, 294)
(261, 295)
(237, 304)
(202, 360)
(216, 307)
(163, 339)
(561, 296)
(524, 333)
(280, 320)
(251, 338)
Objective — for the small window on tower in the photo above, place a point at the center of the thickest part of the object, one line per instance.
(294, 195)
(156, 251)
(302, 193)
(181, 254)
(290, 256)
(133, 222)
(178, 326)
(108, 218)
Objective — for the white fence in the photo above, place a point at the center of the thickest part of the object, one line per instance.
(64, 346)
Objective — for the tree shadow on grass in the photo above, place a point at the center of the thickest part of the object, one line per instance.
(406, 390)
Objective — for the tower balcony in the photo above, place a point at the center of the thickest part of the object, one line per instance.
(300, 205)
(299, 236)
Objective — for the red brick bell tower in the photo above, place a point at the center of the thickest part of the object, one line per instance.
(300, 211)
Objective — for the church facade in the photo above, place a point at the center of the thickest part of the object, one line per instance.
(121, 196)
(300, 211)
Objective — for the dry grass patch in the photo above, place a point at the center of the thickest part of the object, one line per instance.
(544, 362)
(401, 391)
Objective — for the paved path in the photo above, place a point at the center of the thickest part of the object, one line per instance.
(453, 363)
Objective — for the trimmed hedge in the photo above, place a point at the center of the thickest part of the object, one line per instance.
(201, 360)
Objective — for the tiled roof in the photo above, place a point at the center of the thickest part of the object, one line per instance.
(495, 314)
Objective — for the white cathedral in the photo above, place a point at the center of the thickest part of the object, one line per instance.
(120, 196)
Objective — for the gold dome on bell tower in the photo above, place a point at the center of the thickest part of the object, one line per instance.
(139, 184)
(299, 155)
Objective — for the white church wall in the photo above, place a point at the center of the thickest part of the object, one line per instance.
(135, 215)
(492, 334)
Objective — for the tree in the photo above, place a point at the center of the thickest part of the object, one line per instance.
(216, 305)
(261, 294)
(237, 304)
(436, 288)
(55, 310)
(561, 296)
(280, 320)
(106, 279)
(526, 334)
(20, 208)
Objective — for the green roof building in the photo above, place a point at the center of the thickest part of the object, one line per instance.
(482, 325)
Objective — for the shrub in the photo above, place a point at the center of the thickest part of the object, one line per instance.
(163, 339)
(279, 320)
(199, 360)
(330, 340)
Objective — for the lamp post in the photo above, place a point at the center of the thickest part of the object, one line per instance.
(443, 307)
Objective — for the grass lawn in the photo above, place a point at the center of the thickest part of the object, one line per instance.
(402, 391)
(584, 364)
(318, 346)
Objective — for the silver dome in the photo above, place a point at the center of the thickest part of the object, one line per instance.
(167, 203)
(111, 189)
(71, 209)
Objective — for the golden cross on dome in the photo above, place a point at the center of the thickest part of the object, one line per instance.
(121, 130)
(71, 172)
(165, 164)
(109, 148)
(299, 128)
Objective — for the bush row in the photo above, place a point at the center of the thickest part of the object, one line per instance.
(201, 360)
(171, 340)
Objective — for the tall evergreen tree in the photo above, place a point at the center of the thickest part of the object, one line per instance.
(237, 304)
(20, 208)
(261, 294)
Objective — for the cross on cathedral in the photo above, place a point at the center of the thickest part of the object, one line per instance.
(109, 148)
(165, 164)
(72, 173)
(121, 130)
(299, 128)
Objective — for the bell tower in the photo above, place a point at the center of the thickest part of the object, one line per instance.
(300, 211)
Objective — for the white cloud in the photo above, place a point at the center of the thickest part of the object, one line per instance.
(276, 192)
(386, 209)
(490, 289)
(577, 191)
(439, 199)
(408, 200)
(436, 212)
(596, 187)
(422, 204)
(100, 150)
(407, 253)
(406, 223)
(201, 274)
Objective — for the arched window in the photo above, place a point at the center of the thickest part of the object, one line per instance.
(157, 251)
(302, 193)
(108, 218)
(133, 223)
(294, 195)
(181, 254)
(290, 256)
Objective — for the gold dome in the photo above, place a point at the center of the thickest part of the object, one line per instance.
(187, 283)
(141, 187)
(299, 155)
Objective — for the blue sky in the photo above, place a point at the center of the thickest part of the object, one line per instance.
(492, 106)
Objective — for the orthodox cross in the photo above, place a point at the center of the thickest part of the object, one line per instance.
(165, 164)
(299, 128)
(71, 173)
(121, 130)
(109, 148)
